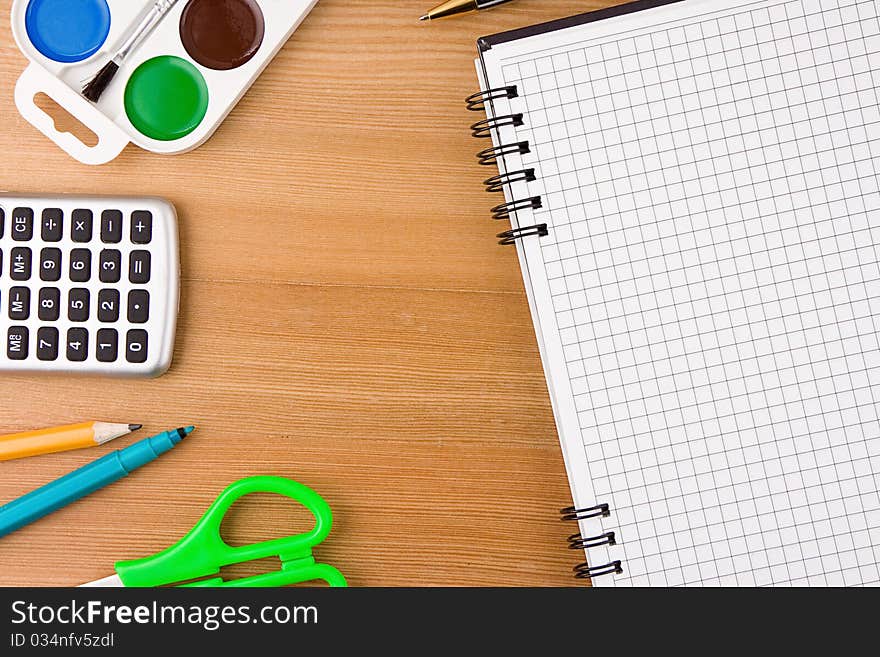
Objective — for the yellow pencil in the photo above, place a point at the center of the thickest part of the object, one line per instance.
(61, 439)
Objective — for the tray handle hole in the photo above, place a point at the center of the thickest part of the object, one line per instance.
(64, 121)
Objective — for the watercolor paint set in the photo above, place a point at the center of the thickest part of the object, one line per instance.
(177, 82)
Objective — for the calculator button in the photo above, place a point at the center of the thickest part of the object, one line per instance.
(78, 305)
(138, 306)
(141, 227)
(50, 265)
(47, 343)
(108, 306)
(53, 225)
(49, 304)
(77, 345)
(136, 346)
(20, 263)
(1, 263)
(111, 226)
(2, 221)
(110, 266)
(81, 226)
(17, 343)
(22, 224)
(107, 347)
(80, 265)
(139, 267)
(19, 304)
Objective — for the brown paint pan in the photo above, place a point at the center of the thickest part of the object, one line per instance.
(222, 34)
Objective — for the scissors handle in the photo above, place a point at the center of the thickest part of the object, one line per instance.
(203, 552)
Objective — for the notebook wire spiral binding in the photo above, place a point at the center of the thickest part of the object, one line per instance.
(579, 542)
(493, 155)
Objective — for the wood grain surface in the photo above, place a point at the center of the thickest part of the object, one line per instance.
(347, 320)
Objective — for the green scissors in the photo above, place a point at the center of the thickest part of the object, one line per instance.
(199, 556)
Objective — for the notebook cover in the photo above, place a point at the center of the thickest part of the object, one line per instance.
(485, 43)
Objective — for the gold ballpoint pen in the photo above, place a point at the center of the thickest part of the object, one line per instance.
(452, 7)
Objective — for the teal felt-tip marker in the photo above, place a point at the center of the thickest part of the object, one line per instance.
(88, 479)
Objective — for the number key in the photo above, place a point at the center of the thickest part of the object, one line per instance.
(77, 345)
(47, 343)
(110, 266)
(108, 306)
(50, 304)
(107, 347)
(78, 305)
(80, 265)
(53, 225)
(136, 346)
(50, 265)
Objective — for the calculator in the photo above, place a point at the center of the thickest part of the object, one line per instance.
(88, 285)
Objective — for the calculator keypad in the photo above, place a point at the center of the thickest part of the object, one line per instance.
(87, 288)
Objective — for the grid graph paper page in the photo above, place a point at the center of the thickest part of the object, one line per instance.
(710, 288)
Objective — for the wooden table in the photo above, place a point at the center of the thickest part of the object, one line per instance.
(347, 320)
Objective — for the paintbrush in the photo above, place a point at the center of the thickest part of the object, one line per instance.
(98, 84)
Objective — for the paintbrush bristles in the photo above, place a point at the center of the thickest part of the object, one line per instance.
(98, 85)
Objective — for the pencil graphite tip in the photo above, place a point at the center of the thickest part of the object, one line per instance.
(426, 17)
(135, 427)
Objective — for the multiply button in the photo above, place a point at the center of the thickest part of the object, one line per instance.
(81, 226)
(22, 224)
(53, 225)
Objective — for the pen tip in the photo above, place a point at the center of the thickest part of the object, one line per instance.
(426, 17)
(135, 427)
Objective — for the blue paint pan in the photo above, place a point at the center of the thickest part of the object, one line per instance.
(67, 31)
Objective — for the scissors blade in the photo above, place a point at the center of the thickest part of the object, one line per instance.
(112, 582)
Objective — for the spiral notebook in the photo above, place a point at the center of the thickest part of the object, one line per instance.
(693, 191)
